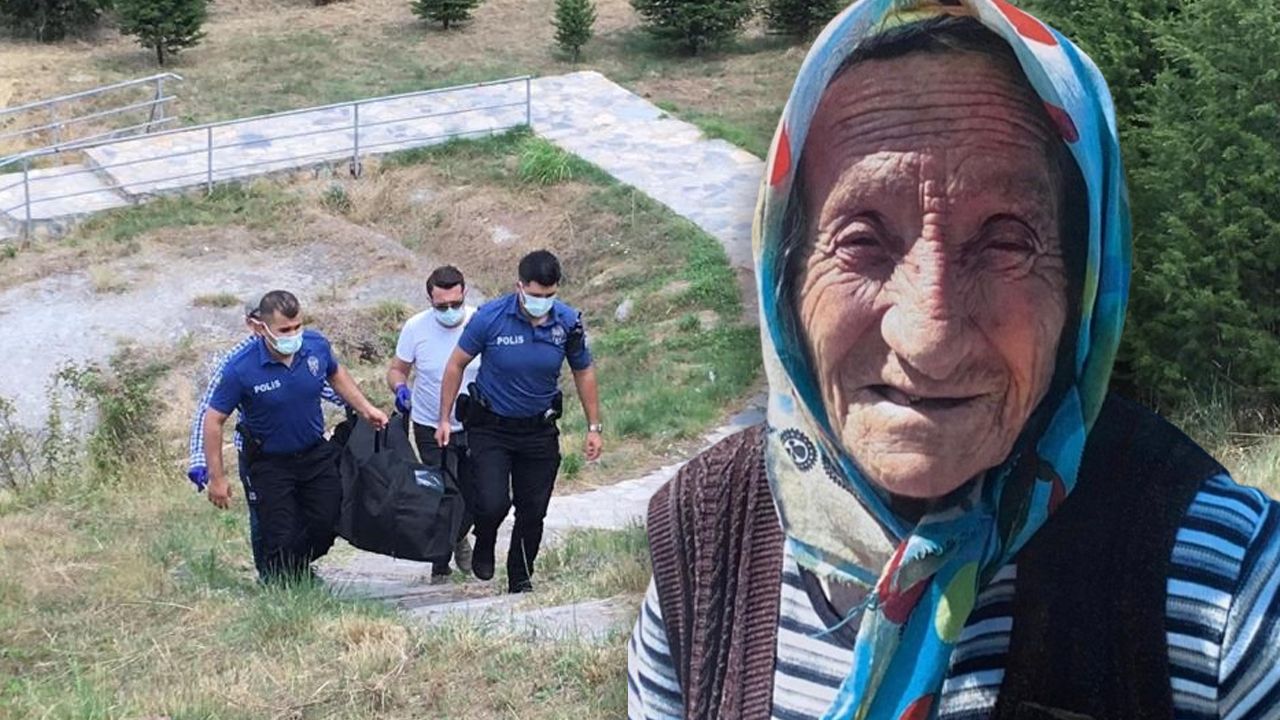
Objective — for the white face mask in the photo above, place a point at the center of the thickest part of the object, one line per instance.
(536, 306)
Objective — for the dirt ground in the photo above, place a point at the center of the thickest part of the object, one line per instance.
(264, 55)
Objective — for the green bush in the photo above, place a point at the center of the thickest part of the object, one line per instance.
(574, 21)
(445, 12)
(1197, 96)
(51, 20)
(126, 399)
(164, 26)
(801, 18)
(694, 24)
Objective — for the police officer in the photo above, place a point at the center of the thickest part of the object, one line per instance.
(511, 413)
(426, 342)
(197, 466)
(275, 384)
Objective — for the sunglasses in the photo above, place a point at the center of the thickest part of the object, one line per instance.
(447, 306)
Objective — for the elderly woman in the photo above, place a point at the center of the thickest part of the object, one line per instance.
(947, 515)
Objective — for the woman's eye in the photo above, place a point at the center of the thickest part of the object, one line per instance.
(1008, 236)
(860, 249)
(859, 240)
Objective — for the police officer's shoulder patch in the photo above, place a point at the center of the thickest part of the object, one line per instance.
(313, 364)
(558, 334)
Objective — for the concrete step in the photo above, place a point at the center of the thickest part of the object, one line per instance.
(57, 194)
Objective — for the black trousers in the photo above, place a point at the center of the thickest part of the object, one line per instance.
(513, 466)
(459, 465)
(299, 501)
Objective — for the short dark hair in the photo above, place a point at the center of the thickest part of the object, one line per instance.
(276, 301)
(445, 277)
(540, 266)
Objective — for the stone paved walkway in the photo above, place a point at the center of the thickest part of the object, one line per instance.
(711, 182)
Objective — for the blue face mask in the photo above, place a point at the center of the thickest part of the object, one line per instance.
(284, 344)
(537, 306)
(288, 344)
(449, 318)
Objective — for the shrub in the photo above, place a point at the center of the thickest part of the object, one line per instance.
(800, 18)
(125, 397)
(574, 21)
(695, 24)
(165, 26)
(1196, 101)
(445, 12)
(51, 20)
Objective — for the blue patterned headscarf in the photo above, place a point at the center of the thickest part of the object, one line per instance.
(924, 576)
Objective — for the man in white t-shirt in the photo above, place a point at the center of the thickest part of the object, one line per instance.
(426, 342)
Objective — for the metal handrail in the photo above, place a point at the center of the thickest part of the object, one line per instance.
(55, 125)
(354, 148)
(91, 92)
(91, 116)
(43, 152)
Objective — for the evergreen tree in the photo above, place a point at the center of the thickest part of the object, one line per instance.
(800, 18)
(166, 26)
(695, 24)
(574, 20)
(445, 12)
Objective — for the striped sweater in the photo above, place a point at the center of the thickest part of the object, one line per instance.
(1222, 624)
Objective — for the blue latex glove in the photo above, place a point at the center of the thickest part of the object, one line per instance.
(404, 399)
(199, 476)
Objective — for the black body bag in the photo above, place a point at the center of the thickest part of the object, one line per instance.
(392, 504)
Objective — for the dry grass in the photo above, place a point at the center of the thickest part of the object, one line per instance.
(104, 279)
(137, 602)
(267, 55)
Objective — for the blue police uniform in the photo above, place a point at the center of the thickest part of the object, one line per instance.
(520, 375)
(294, 470)
(512, 441)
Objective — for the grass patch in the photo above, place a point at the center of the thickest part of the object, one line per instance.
(594, 564)
(109, 620)
(752, 133)
(256, 206)
(542, 163)
(480, 158)
(1247, 444)
(512, 157)
(105, 280)
(216, 300)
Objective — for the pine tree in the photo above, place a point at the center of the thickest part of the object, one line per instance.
(166, 26)
(574, 20)
(695, 24)
(445, 12)
(800, 18)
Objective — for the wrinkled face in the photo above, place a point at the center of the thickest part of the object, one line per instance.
(934, 292)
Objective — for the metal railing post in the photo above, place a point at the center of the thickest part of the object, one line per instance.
(209, 159)
(26, 197)
(159, 96)
(57, 127)
(528, 103)
(355, 140)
